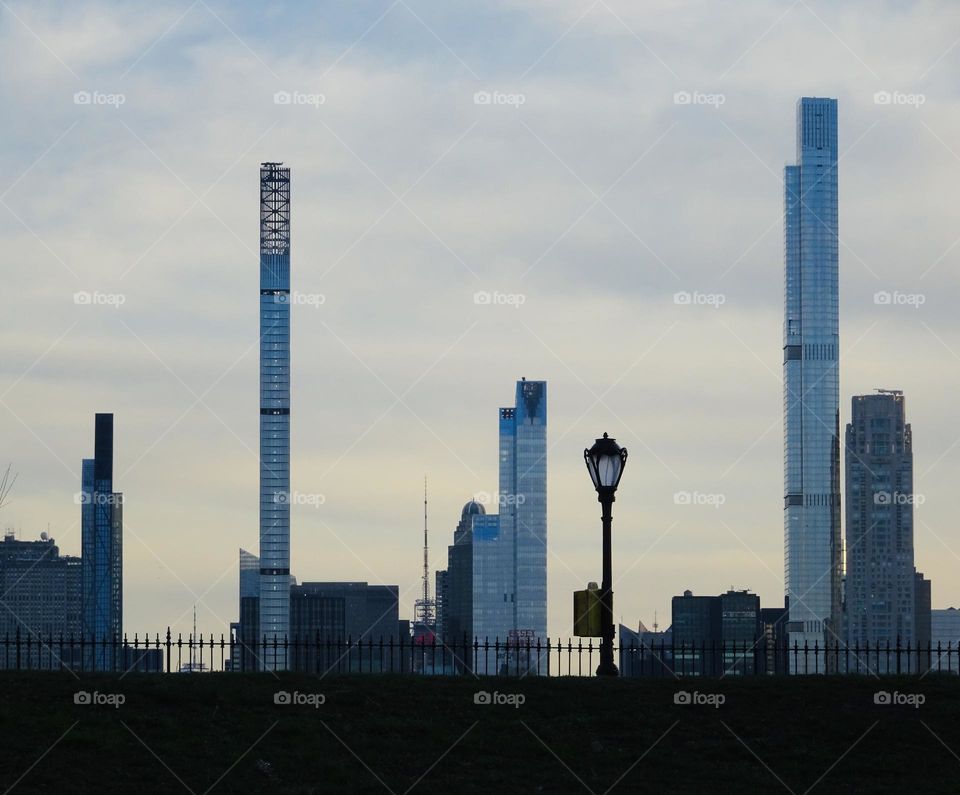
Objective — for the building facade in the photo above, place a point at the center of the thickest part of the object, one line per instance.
(40, 604)
(523, 507)
(945, 639)
(714, 635)
(880, 577)
(274, 411)
(811, 395)
(101, 523)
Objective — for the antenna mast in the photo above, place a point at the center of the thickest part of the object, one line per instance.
(425, 607)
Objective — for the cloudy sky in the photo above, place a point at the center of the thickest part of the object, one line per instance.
(585, 194)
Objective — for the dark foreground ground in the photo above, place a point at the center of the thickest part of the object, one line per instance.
(378, 734)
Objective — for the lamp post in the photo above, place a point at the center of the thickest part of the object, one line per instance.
(605, 463)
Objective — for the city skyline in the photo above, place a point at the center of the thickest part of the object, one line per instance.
(398, 309)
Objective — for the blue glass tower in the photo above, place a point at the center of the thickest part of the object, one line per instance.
(101, 523)
(811, 395)
(274, 411)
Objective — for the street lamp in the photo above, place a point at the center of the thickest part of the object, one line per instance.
(605, 463)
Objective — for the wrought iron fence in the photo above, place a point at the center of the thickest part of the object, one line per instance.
(171, 653)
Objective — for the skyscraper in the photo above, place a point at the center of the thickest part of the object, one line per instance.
(880, 584)
(811, 395)
(523, 504)
(101, 523)
(274, 410)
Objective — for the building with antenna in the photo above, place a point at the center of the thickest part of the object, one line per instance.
(274, 412)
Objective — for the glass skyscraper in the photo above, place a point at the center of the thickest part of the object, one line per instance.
(523, 505)
(496, 580)
(274, 411)
(101, 530)
(811, 395)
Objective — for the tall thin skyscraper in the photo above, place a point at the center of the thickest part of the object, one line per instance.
(879, 487)
(101, 543)
(274, 411)
(811, 395)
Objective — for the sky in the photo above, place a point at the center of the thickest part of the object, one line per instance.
(581, 163)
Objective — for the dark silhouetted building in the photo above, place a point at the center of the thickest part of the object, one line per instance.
(40, 602)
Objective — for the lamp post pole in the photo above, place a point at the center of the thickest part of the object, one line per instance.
(607, 666)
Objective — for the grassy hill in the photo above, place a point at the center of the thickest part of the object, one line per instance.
(375, 734)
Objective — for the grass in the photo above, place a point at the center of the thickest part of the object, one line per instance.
(378, 734)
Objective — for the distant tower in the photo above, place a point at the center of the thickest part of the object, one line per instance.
(274, 412)
(101, 543)
(425, 608)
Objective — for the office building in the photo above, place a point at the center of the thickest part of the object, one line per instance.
(101, 523)
(40, 604)
(945, 640)
(811, 399)
(274, 412)
(714, 635)
(880, 577)
(246, 650)
(351, 619)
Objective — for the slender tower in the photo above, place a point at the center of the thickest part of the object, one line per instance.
(425, 609)
(811, 394)
(274, 413)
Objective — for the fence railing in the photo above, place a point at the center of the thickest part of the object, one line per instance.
(318, 655)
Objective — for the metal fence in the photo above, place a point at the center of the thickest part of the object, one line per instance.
(171, 653)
